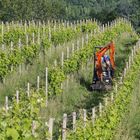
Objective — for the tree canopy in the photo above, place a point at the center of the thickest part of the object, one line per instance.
(103, 10)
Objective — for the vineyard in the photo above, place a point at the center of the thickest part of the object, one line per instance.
(45, 71)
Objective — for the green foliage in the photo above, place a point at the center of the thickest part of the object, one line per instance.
(105, 125)
(75, 62)
(17, 123)
(26, 54)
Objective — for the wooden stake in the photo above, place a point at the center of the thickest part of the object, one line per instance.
(77, 45)
(55, 63)
(19, 44)
(27, 40)
(68, 52)
(3, 47)
(33, 128)
(38, 83)
(62, 59)
(2, 30)
(64, 127)
(17, 97)
(28, 89)
(46, 86)
(51, 121)
(20, 69)
(74, 121)
(33, 36)
(93, 115)
(72, 48)
(100, 109)
(11, 46)
(84, 116)
(121, 80)
(82, 42)
(116, 88)
(6, 104)
(112, 97)
(25, 26)
(87, 38)
(106, 101)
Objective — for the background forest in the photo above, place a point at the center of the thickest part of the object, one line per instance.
(103, 10)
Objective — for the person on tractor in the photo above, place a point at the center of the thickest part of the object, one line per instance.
(106, 65)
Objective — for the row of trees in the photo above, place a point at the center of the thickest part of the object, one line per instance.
(104, 10)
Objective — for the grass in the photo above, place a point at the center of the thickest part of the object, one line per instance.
(129, 128)
(29, 73)
(77, 95)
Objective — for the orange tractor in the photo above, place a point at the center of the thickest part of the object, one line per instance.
(104, 66)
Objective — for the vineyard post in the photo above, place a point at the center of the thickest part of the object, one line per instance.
(17, 97)
(33, 128)
(33, 38)
(129, 62)
(127, 65)
(28, 89)
(106, 101)
(82, 41)
(51, 121)
(49, 33)
(100, 109)
(11, 52)
(132, 55)
(124, 73)
(116, 88)
(74, 121)
(77, 45)
(72, 48)
(43, 29)
(4, 80)
(62, 59)
(71, 25)
(91, 34)
(27, 40)
(84, 117)
(46, 86)
(12, 23)
(19, 44)
(121, 80)
(103, 27)
(33, 22)
(134, 50)
(8, 28)
(54, 27)
(6, 104)
(29, 23)
(67, 80)
(59, 25)
(25, 26)
(38, 83)
(64, 127)
(20, 69)
(55, 63)
(11, 46)
(93, 115)
(112, 97)
(72, 78)
(3, 47)
(2, 31)
(38, 37)
(67, 24)
(87, 38)
(68, 52)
